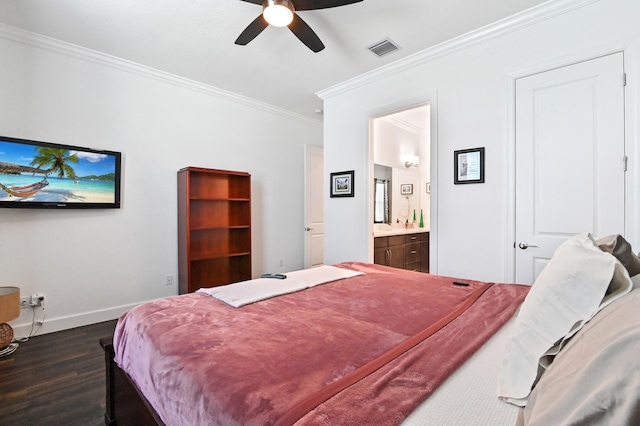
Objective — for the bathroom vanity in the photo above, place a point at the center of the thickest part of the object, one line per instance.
(402, 248)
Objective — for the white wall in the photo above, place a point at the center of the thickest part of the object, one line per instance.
(469, 81)
(392, 144)
(93, 265)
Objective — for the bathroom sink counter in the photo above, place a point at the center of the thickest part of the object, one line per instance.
(398, 231)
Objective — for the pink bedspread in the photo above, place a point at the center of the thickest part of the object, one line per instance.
(199, 361)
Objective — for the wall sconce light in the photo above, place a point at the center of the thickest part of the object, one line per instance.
(412, 161)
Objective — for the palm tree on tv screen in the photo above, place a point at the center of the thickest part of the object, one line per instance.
(57, 160)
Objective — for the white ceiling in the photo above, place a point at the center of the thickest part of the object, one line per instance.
(194, 39)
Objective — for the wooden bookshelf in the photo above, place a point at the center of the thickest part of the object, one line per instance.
(214, 228)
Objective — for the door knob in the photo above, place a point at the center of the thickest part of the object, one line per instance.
(306, 228)
(525, 246)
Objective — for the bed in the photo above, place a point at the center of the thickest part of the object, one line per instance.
(380, 346)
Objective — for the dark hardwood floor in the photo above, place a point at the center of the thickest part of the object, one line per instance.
(56, 379)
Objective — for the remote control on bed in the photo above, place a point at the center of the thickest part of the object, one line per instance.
(278, 276)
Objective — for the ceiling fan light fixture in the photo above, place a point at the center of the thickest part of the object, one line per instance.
(278, 13)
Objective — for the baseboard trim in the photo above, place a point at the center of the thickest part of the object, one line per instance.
(51, 325)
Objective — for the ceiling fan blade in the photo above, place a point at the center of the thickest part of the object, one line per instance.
(306, 35)
(320, 4)
(254, 1)
(252, 31)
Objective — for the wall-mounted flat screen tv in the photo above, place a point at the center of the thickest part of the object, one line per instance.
(49, 175)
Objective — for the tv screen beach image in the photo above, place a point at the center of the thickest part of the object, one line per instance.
(32, 172)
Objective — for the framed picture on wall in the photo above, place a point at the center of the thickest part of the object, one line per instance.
(341, 184)
(468, 166)
(406, 189)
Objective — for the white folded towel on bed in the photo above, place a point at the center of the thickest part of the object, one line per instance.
(246, 292)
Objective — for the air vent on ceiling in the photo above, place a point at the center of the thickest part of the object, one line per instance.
(384, 47)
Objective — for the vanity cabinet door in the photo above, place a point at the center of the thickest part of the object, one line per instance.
(380, 246)
(396, 252)
(380, 256)
(424, 252)
(396, 257)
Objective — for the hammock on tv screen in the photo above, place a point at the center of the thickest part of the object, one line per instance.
(25, 191)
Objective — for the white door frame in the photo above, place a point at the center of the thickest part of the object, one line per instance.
(632, 209)
(431, 99)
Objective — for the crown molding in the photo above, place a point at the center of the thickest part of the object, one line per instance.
(40, 41)
(402, 124)
(497, 29)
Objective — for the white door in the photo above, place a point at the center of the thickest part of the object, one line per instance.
(570, 158)
(313, 206)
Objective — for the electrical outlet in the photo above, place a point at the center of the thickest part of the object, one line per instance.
(168, 280)
(37, 299)
(25, 302)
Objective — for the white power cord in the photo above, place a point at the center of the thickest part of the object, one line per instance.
(35, 326)
(11, 348)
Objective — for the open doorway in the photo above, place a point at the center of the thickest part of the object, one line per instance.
(401, 184)
(401, 157)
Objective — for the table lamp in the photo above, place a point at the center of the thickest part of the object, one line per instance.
(9, 310)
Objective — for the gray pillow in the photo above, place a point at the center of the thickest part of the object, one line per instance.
(595, 379)
(621, 250)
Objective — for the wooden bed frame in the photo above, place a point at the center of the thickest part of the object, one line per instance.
(125, 405)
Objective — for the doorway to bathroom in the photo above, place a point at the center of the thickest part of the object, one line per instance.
(401, 184)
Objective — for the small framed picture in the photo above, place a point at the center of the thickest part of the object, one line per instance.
(341, 184)
(468, 166)
(406, 189)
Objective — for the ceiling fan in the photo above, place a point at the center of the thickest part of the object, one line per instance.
(282, 13)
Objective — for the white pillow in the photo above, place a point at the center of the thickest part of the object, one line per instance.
(569, 291)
